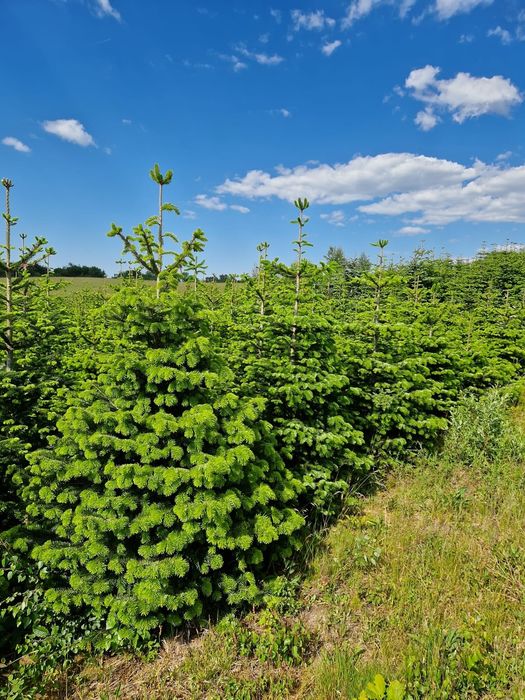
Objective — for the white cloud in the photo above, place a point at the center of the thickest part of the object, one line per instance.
(507, 36)
(426, 119)
(445, 9)
(501, 157)
(463, 96)
(127, 122)
(108, 151)
(264, 38)
(235, 61)
(412, 231)
(69, 130)
(263, 59)
(421, 78)
(330, 47)
(189, 214)
(362, 178)
(280, 112)
(336, 217)
(216, 204)
(276, 14)
(502, 34)
(103, 8)
(406, 6)
(15, 143)
(239, 65)
(429, 190)
(311, 21)
(358, 9)
(495, 195)
(520, 29)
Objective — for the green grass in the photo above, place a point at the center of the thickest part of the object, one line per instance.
(424, 584)
(72, 285)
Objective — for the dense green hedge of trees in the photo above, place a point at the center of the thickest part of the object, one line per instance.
(162, 453)
(72, 270)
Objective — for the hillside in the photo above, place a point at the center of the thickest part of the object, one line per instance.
(422, 581)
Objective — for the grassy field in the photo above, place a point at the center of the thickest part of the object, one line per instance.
(71, 285)
(422, 581)
(94, 284)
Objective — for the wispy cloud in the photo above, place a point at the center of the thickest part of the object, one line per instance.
(282, 112)
(207, 66)
(263, 59)
(235, 62)
(311, 21)
(335, 218)
(277, 15)
(464, 96)
(442, 9)
(445, 9)
(502, 34)
(104, 8)
(70, 130)
(515, 33)
(502, 157)
(358, 9)
(330, 47)
(412, 231)
(216, 204)
(15, 143)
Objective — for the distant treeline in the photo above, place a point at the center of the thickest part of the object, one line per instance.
(70, 270)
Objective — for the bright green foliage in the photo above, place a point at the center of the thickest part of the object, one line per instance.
(268, 637)
(481, 432)
(453, 665)
(148, 251)
(206, 425)
(44, 642)
(164, 489)
(29, 393)
(310, 402)
(378, 689)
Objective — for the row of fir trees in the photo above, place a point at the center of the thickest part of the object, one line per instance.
(166, 448)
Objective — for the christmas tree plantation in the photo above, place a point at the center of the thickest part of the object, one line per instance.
(163, 490)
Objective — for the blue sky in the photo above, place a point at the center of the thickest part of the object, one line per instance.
(400, 119)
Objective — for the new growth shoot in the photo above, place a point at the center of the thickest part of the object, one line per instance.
(148, 249)
(300, 244)
(17, 278)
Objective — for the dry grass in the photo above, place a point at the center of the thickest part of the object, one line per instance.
(452, 557)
